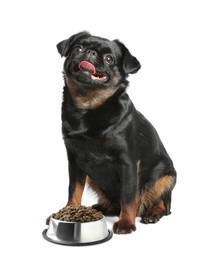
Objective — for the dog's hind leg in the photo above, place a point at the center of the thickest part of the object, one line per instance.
(156, 201)
(154, 214)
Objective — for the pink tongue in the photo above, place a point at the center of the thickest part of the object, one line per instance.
(85, 65)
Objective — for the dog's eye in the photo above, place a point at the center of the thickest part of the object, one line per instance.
(77, 49)
(108, 59)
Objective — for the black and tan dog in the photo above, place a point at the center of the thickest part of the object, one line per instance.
(109, 143)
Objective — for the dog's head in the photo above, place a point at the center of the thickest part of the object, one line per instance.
(95, 63)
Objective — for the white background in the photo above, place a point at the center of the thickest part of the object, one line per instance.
(178, 45)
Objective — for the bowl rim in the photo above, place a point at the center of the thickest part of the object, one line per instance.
(73, 243)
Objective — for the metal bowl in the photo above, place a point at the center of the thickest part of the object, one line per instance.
(77, 233)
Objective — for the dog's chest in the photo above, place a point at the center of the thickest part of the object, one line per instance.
(95, 147)
(97, 159)
(93, 153)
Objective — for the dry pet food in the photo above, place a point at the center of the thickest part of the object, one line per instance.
(78, 214)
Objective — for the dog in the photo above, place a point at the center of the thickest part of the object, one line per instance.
(109, 144)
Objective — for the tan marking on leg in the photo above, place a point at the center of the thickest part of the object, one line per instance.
(154, 193)
(77, 195)
(126, 223)
(128, 213)
(158, 209)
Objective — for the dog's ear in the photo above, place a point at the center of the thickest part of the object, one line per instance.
(130, 63)
(64, 46)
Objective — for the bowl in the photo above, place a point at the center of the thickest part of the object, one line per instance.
(77, 233)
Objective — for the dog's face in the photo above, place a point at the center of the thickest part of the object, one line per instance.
(93, 62)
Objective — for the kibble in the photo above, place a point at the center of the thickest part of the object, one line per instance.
(78, 214)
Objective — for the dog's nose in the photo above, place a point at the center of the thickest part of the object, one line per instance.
(92, 52)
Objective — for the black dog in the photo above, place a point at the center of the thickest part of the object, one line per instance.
(109, 143)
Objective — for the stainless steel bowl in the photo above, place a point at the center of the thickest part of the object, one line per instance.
(77, 233)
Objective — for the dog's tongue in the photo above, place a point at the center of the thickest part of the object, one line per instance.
(85, 65)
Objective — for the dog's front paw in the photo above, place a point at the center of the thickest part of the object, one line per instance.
(123, 227)
(99, 207)
(111, 210)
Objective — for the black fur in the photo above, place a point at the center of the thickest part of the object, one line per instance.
(107, 139)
